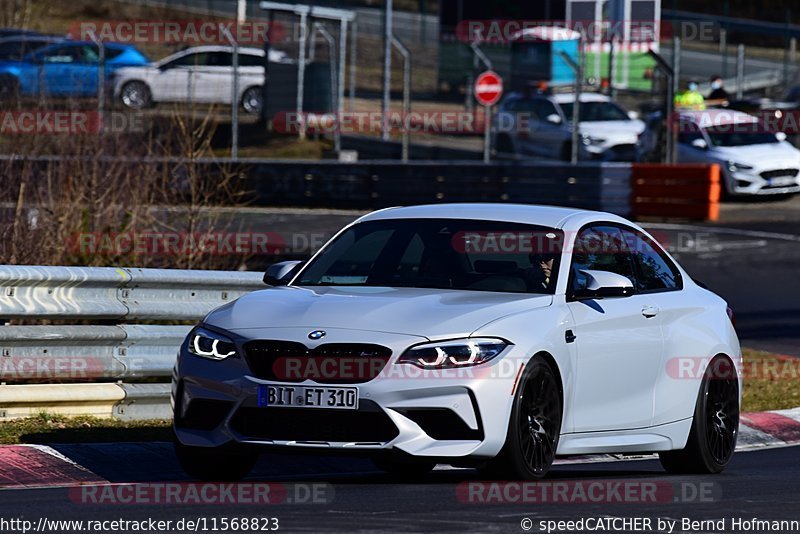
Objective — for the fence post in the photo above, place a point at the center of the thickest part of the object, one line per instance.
(577, 68)
(323, 30)
(487, 110)
(669, 107)
(387, 69)
(406, 53)
(740, 72)
(101, 77)
(234, 93)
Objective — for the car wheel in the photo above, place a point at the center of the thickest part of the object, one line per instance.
(715, 427)
(404, 469)
(535, 426)
(215, 463)
(136, 95)
(252, 101)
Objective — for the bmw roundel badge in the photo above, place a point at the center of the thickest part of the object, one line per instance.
(316, 334)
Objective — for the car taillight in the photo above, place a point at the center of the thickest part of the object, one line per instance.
(731, 316)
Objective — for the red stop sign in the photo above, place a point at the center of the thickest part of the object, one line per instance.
(488, 88)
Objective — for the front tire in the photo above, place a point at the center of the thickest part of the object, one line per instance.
(136, 95)
(252, 101)
(215, 463)
(715, 427)
(535, 426)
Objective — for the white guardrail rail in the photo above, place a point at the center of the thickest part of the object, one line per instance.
(72, 369)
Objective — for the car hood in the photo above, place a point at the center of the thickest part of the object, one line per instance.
(772, 155)
(625, 131)
(422, 312)
(136, 69)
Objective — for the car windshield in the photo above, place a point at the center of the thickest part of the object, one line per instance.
(596, 112)
(440, 254)
(728, 136)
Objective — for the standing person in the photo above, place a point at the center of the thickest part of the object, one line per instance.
(690, 99)
(718, 91)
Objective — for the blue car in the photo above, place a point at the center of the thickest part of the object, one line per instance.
(64, 69)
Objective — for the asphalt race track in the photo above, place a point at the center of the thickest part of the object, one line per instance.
(761, 484)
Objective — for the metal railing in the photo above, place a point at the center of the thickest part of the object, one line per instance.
(82, 356)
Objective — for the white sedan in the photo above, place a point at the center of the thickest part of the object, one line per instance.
(753, 160)
(487, 335)
(202, 74)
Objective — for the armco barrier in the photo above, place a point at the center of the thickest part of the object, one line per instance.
(85, 355)
(675, 191)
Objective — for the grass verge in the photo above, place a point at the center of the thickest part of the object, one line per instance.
(771, 381)
(49, 428)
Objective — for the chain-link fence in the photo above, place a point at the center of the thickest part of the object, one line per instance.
(324, 73)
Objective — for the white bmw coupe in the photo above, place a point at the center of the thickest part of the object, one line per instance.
(487, 335)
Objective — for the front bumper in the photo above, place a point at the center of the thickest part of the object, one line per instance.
(441, 414)
(762, 182)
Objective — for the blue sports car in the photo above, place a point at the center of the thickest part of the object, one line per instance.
(64, 69)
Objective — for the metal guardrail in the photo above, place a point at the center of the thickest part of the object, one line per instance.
(118, 293)
(83, 354)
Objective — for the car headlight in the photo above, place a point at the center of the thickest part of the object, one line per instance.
(455, 353)
(208, 344)
(590, 140)
(736, 167)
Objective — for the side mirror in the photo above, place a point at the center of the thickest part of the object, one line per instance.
(632, 115)
(700, 144)
(780, 136)
(604, 284)
(279, 274)
(553, 118)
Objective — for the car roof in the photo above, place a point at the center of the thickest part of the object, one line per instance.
(717, 117)
(568, 98)
(32, 39)
(222, 48)
(548, 216)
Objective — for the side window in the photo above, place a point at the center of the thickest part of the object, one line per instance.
(250, 60)
(63, 54)
(190, 60)
(654, 271)
(688, 133)
(543, 109)
(90, 54)
(222, 59)
(600, 248)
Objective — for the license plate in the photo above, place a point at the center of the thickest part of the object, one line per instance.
(783, 181)
(307, 397)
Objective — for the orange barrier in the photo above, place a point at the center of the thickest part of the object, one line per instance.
(675, 191)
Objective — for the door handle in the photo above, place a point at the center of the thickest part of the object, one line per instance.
(650, 311)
